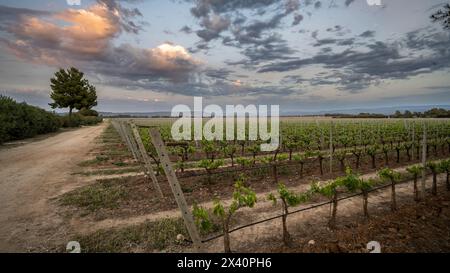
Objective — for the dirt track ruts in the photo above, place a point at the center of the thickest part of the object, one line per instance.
(30, 175)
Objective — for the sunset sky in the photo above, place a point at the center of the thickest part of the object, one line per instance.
(305, 55)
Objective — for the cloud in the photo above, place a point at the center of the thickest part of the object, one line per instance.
(261, 49)
(349, 2)
(212, 25)
(297, 19)
(216, 17)
(186, 30)
(85, 39)
(419, 52)
(368, 34)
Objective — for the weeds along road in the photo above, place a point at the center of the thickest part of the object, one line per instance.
(30, 175)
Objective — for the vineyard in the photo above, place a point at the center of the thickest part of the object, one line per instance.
(320, 163)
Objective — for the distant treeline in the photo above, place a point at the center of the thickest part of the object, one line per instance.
(20, 120)
(433, 113)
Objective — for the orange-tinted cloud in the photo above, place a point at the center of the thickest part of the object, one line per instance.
(84, 38)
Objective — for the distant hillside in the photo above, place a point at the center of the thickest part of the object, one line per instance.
(380, 110)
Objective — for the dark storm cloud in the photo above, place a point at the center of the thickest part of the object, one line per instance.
(221, 73)
(368, 34)
(186, 30)
(427, 51)
(201, 87)
(297, 19)
(258, 50)
(217, 16)
(128, 15)
(318, 5)
(336, 28)
(204, 7)
(11, 14)
(349, 2)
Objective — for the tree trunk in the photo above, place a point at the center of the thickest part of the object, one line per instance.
(434, 188)
(70, 112)
(301, 170)
(373, 162)
(342, 164)
(321, 165)
(386, 159)
(408, 154)
(448, 181)
(398, 155)
(275, 173)
(365, 203)
(226, 238)
(286, 236)
(232, 160)
(357, 162)
(332, 222)
(209, 179)
(393, 198)
(416, 191)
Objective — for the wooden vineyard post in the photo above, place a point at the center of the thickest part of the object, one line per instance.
(133, 143)
(119, 130)
(331, 147)
(322, 139)
(128, 141)
(413, 139)
(176, 188)
(424, 160)
(146, 159)
(360, 134)
(124, 138)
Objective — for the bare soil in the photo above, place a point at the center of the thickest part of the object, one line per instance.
(30, 175)
(139, 197)
(414, 227)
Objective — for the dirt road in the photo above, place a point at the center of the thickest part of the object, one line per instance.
(30, 175)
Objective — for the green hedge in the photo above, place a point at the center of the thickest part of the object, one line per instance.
(20, 120)
(78, 120)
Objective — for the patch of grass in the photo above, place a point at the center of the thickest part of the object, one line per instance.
(110, 171)
(105, 194)
(149, 236)
(98, 159)
(118, 152)
(120, 164)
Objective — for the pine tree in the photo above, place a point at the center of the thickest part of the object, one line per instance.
(71, 90)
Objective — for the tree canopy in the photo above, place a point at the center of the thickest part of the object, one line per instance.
(71, 90)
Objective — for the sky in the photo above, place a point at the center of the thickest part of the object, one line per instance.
(304, 55)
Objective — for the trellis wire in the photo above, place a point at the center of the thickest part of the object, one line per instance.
(301, 210)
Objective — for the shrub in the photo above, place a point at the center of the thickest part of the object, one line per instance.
(77, 120)
(88, 112)
(70, 122)
(20, 120)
